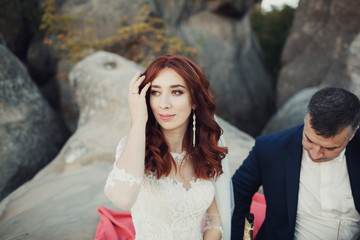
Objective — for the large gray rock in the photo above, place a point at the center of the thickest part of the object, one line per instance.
(230, 57)
(322, 49)
(292, 113)
(175, 12)
(353, 65)
(31, 132)
(101, 18)
(61, 201)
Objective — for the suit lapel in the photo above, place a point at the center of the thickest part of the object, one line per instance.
(353, 163)
(292, 176)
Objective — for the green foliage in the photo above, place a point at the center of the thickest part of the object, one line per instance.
(272, 29)
(60, 33)
(141, 38)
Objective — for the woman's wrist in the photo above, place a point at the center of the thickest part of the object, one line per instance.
(213, 232)
(138, 123)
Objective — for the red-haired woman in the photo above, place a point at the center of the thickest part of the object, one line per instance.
(170, 170)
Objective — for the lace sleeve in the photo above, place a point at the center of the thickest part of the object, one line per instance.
(120, 148)
(213, 221)
(121, 186)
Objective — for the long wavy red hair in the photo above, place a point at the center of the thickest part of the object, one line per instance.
(206, 156)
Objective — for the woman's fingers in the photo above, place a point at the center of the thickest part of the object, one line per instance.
(145, 89)
(137, 101)
(134, 78)
(135, 83)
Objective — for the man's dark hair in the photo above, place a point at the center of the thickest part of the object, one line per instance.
(332, 110)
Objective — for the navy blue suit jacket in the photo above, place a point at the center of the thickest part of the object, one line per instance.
(275, 162)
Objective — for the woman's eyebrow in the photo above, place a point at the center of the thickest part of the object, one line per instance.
(171, 86)
(177, 85)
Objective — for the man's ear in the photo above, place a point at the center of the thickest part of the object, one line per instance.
(350, 138)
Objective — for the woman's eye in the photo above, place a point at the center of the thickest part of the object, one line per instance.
(177, 92)
(153, 92)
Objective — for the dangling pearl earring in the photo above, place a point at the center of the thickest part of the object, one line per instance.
(194, 128)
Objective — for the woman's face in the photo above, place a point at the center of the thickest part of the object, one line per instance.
(170, 101)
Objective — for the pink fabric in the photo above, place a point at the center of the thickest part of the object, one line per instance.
(258, 208)
(114, 225)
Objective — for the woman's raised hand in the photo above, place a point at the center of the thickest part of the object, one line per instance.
(137, 101)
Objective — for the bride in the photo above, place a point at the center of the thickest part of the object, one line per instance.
(171, 170)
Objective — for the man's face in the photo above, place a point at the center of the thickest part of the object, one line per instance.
(321, 149)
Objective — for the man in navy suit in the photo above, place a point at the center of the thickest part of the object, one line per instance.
(310, 174)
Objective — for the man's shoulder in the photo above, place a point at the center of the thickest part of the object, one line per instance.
(284, 135)
(282, 142)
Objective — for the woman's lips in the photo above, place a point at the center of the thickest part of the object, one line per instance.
(166, 117)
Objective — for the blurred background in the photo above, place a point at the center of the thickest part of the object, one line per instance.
(237, 43)
(264, 60)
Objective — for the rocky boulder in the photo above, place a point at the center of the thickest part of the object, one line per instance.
(176, 12)
(353, 65)
(292, 113)
(61, 201)
(31, 132)
(231, 58)
(322, 49)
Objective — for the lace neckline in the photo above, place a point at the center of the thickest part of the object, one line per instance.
(179, 157)
(184, 186)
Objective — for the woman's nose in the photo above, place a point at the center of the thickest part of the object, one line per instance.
(165, 101)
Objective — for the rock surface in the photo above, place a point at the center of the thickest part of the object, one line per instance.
(61, 201)
(231, 57)
(31, 132)
(292, 113)
(322, 49)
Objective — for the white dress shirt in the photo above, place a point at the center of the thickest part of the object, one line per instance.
(326, 208)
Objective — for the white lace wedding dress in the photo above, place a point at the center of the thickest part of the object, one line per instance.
(164, 209)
